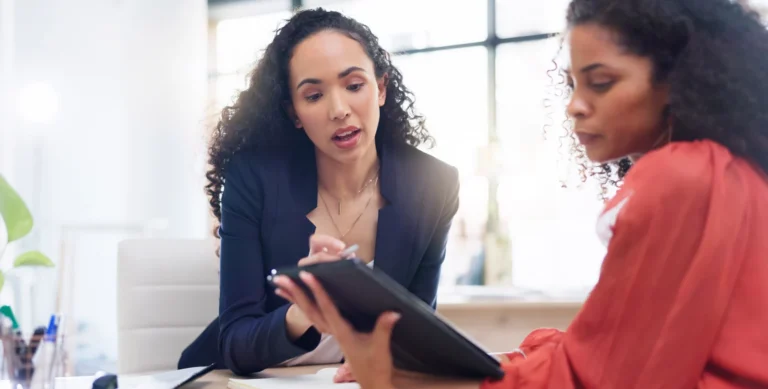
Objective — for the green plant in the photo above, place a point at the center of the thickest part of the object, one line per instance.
(16, 223)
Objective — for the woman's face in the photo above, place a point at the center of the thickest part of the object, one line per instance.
(616, 107)
(335, 95)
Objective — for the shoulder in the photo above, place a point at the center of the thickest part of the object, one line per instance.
(680, 170)
(427, 168)
(253, 175)
(677, 179)
(255, 165)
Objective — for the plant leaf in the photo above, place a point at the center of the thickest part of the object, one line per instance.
(2, 280)
(33, 258)
(17, 218)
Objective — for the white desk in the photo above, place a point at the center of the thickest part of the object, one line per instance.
(218, 380)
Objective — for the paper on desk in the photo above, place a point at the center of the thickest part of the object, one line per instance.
(323, 379)
(161, 380)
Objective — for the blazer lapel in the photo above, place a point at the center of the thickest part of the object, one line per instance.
(396, 230)
(298, 199)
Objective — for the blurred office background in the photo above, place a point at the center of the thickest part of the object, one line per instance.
(105, 106)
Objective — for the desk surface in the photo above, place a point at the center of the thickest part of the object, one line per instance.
(218, 379)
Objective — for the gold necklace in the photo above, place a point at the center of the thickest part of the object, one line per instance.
(372, 179)
(327, 210)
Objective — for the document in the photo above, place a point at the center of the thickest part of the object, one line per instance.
(323, 379)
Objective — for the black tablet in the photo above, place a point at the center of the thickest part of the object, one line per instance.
(421, 340)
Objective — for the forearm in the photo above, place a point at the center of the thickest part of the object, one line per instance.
(249, 345)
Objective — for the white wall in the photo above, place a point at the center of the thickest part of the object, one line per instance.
(123, 156)
(6, 85)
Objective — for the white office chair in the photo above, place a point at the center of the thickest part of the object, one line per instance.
(167, 293)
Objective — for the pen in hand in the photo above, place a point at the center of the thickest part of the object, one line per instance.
(349, 251)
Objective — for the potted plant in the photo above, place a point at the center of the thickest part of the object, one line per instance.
(15, 223)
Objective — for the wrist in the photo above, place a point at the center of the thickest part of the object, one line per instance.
(296, 322)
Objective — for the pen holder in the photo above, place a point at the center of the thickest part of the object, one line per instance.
(30, 363)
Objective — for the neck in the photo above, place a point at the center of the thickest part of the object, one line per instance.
(344, 180)
(664, 139)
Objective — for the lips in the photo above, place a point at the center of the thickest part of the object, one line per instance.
(346, 138)
(345, 133)
(587, 139)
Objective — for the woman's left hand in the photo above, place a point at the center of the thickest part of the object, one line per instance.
(368, 355)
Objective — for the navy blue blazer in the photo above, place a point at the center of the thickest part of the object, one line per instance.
(264, 226)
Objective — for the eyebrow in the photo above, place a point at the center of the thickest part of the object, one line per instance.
(589, 68)
(343, 74)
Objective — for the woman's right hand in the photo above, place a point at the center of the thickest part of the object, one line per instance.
(322, 248)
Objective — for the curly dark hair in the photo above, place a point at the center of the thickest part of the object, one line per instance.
(713, 54)
(258, 119)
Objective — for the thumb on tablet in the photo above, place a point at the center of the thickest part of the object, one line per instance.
(382, 333)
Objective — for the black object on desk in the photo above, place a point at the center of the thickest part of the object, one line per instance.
(106, 381)
(173, 379)
(421, 340)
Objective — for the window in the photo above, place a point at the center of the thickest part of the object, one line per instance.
(416, 24)
(239, 44)
(551, 229)
(521, 18)
(441, 82)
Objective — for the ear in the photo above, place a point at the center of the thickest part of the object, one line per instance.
(382, 83)
(291, 112)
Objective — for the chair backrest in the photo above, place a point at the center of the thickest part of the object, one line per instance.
(167, 293)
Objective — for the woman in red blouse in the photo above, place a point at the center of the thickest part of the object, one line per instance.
(678, 89)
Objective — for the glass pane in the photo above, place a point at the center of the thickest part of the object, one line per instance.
(552, 229)
(460, 127)
(240, 42)
(518, 18)
(415, 24)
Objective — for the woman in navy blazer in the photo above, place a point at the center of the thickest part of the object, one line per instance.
(323, 141)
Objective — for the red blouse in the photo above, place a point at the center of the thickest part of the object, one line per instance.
(682, 299)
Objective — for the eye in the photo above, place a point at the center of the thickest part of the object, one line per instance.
(601, 86)
(569, 82)
(354, 87)
(312, 98)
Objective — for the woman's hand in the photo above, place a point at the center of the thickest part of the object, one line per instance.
(322, 248)
(344, 374)
(368, 355)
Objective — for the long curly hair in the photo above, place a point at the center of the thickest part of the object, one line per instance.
(258, 119)
(713, 54)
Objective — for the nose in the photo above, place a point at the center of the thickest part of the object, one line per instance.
(578, 107)
(338, 108)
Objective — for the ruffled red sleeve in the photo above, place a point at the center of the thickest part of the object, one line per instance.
(665, 285)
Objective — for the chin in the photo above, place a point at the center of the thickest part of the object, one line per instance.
(593, 155)
(354, 154)
(604, 158)
(598, 156)
(349, 157)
